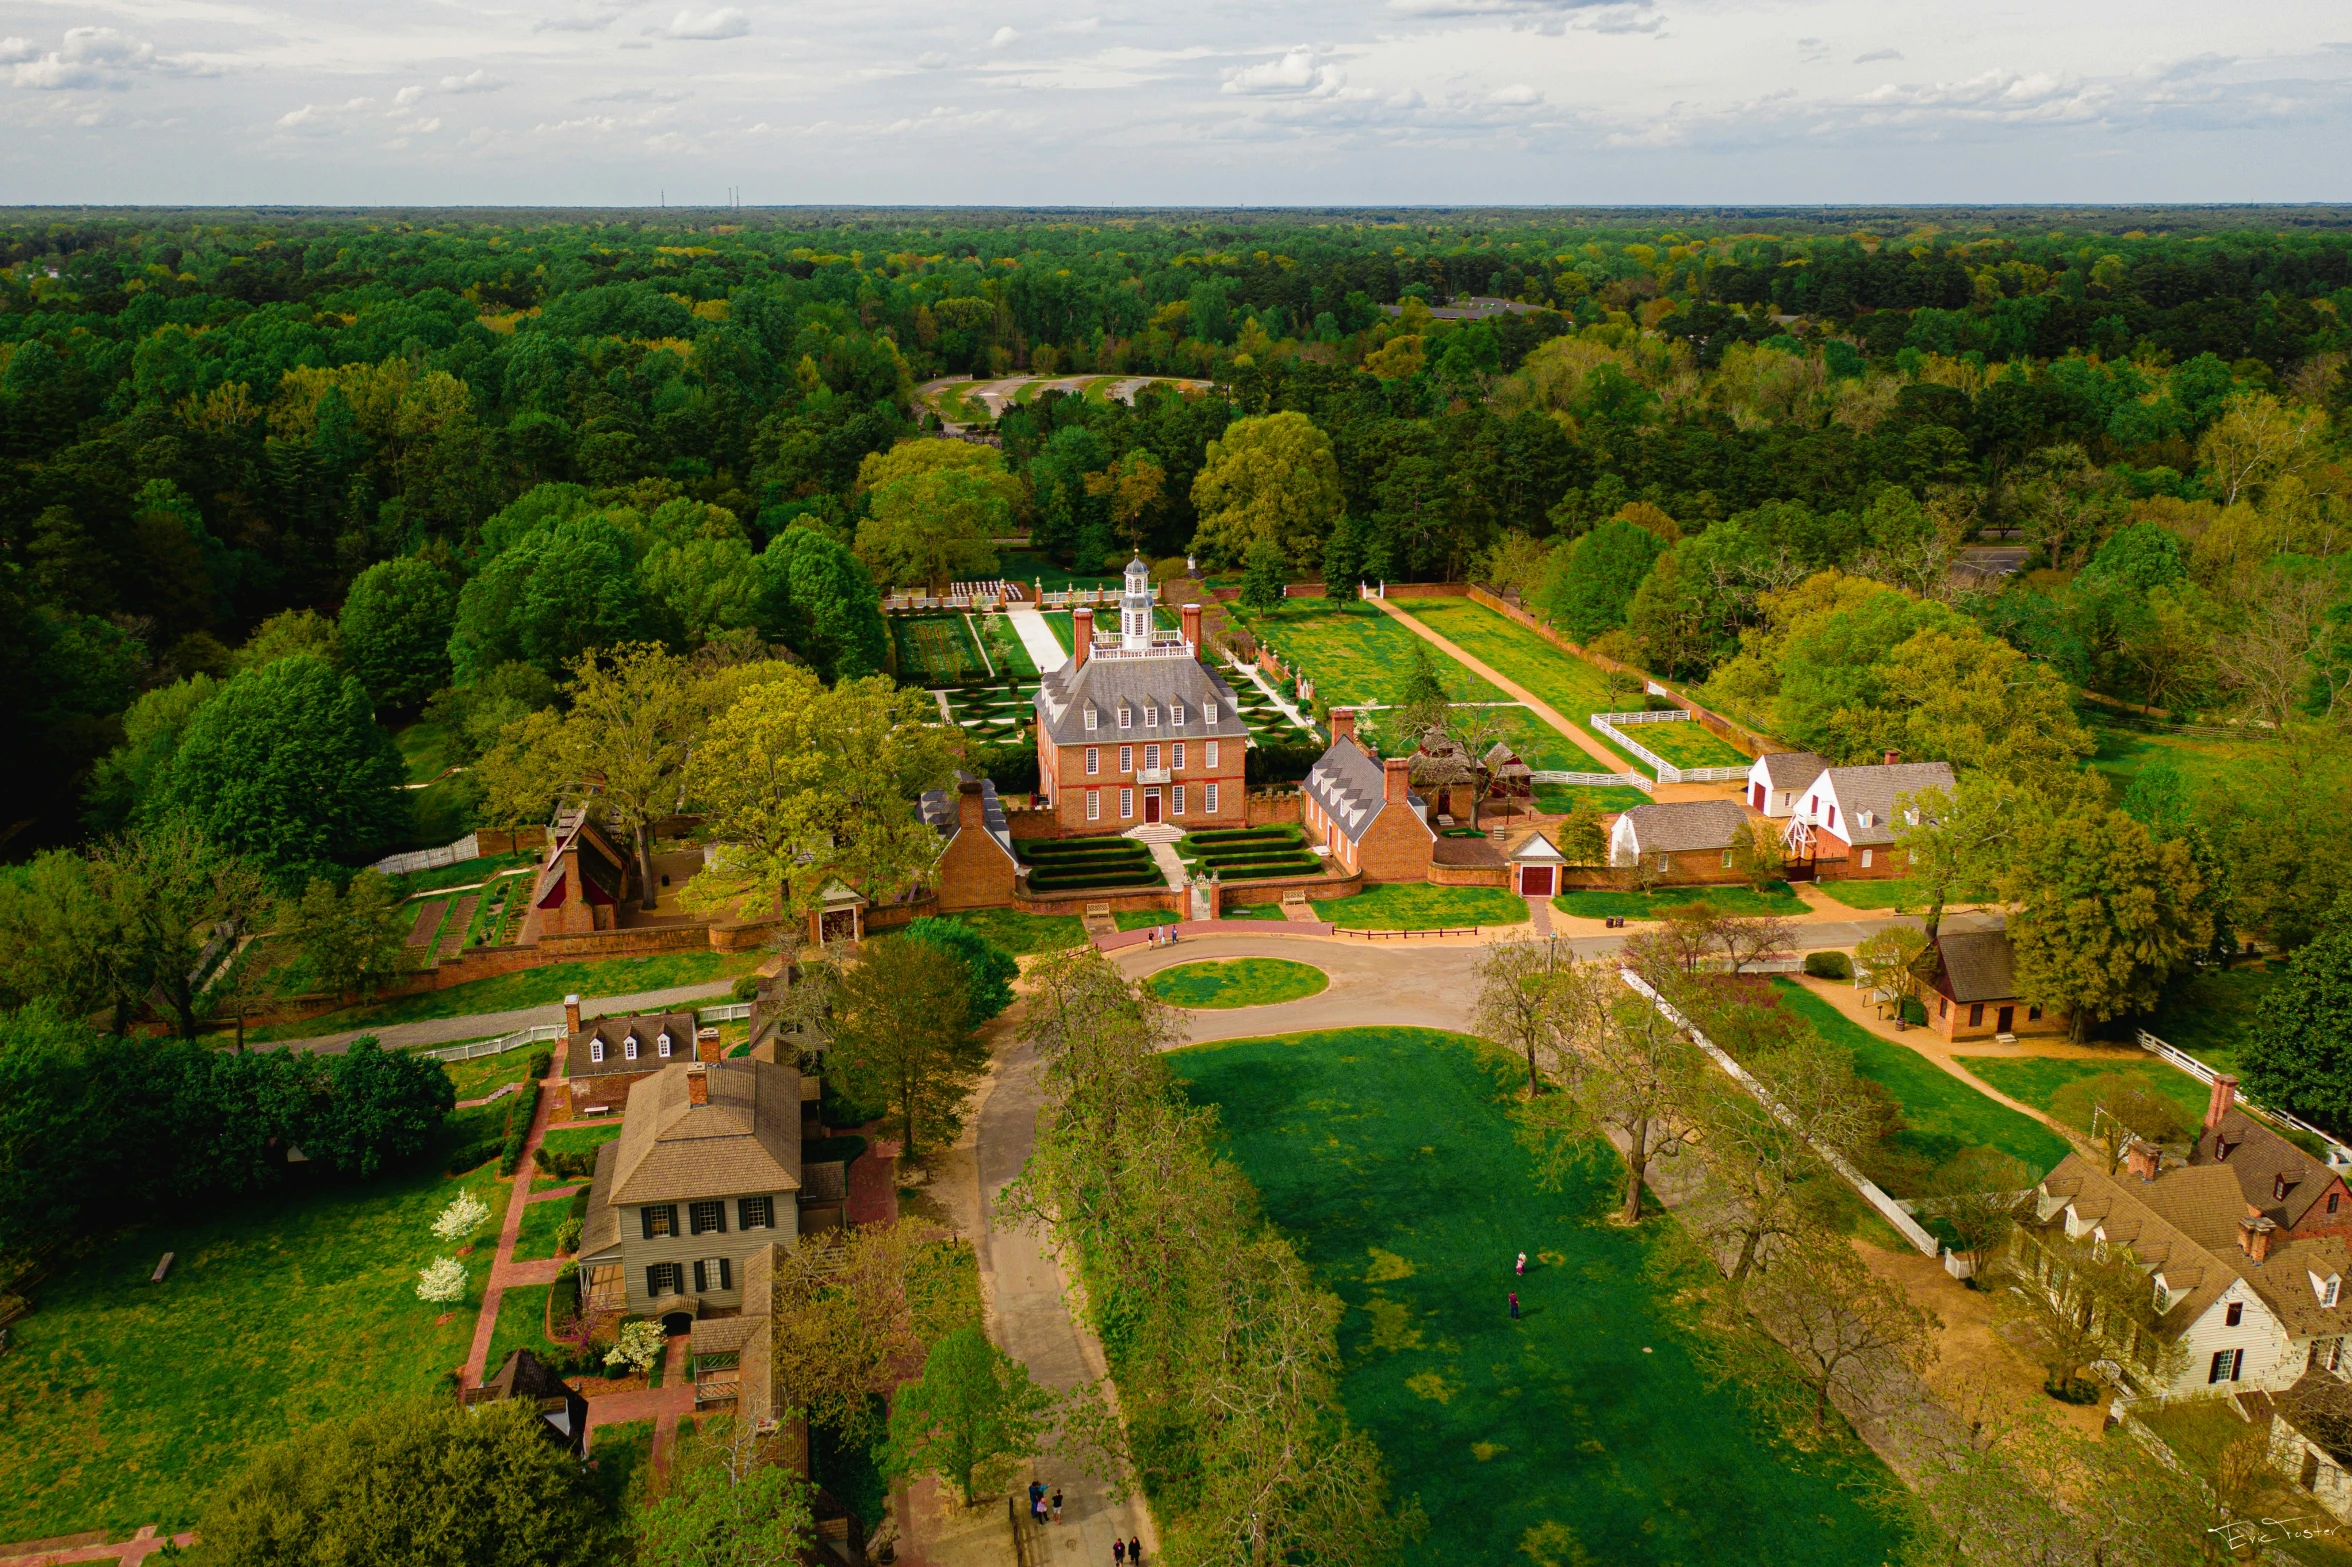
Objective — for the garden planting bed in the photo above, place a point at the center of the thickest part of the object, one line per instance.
(1072, 864)
(1249, 853)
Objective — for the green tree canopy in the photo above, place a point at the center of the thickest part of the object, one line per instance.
(928, 529)
(970, 1418)
(287, 764)
(395, 626)
(1593, 581)
(2299, 1054)
(990, 968)
(1272, 477)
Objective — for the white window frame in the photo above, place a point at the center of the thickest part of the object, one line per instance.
(1126, 716)
(1211, 759)
(1151, 715)
(661, 1046)
(629, 1048)
(1210, 804)
(1126, 760)
(1178, 763)
(1176, 801)
(1209, 712)
(1126, 805)
(1094, 805)
(1151, 757)
(1176, 715)
(1727, 859)
(1093, 760)
(1866, 854)
(1665, 863)
(595, 1049)
(1090, 718)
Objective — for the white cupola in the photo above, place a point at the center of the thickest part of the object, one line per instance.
(1135, 608)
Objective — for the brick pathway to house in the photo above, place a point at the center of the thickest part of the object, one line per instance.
(90, 1548)
(504, 1270)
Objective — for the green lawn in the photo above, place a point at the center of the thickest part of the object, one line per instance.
(1004, 647)
(522, 1321)
(1020, 933)
(1557, 677)
(1028, 568)
(1560, 799)
(2037, 1079)
(1355, 653)
(1689, 744)
(1891, 894)
(1238, 982)
(123, 1402)
(1594, 903)
(465, 873)
(2123, 753)
(527, 988)
(1942, 1115)
(1400, 905)
(2211, 1014)
(472, 1079)
(1255, 911)
(426, 750)
(1582, 1433)
(541, 1220)
(1143, 919)
(574, 1139)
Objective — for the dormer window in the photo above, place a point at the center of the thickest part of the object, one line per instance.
(662, 1046)
(1176, 715)
(1209, 713)
(1126, 716)
(2278, 1186)
(2329, 1289)
(2163, 1295)
(1090, 715)
(1911, 817)
(595, 1049)
(629, 1048)
(1151, 716)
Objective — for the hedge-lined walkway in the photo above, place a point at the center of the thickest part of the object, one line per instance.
(505, 1272)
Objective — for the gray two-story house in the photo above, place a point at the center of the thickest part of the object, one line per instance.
(706, 1170)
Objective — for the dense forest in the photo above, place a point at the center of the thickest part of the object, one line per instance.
(310, 474)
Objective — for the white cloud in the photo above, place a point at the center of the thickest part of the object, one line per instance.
(89, 57)
(708, 26)
(593, 22)
(1515, 95)
(406, 96)
(1296, 74)
(476, 80)
(932, 61)
(15, 51)
(1878, 54)
(1001, 37)
(324, 116)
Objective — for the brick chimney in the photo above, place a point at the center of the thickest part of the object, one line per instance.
(2142, 1159)
(1081, 635)
(1396, 778)
(571, 1014)
(2254, 1234)
(1343, 723)
(1191, 615)
(2225, 1095)
(971, 808)
(706, 1044)
(698, 1084)
(1892, 757)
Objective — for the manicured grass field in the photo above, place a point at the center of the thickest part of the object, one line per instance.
(1872, 894)
(123, 1402)
(522, 1320)
(1594, 903)
(936, 650)
(541, 1220)
(1238, 982)
(1582, 1433)
(2123, 753)
(573, 1139)
(1004, 646)
(2037, 1079)
(1142, 919)
(2211, 1015)
(1402, 905)
(1942, 1115)
(1355, 653)
(477, 1077)
(1020, 933)
(1028, 568)
(1255, 911)
(1560, 799)
(1557, 677)
(527, 988)
(1689, 744)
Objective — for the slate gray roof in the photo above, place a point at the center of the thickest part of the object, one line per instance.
(746, 1139)
(1349, 784)
(1978, 964)
(1159, 682)
(615, 1031)
(938, 808)
(1792, 769)
(1873, 790)
(1683, 825)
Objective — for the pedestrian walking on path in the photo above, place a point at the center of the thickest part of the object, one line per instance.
(1118, 1552)
(1514, 1305)
(1135, 1552)
(1521, 1267)
(1057, 1504)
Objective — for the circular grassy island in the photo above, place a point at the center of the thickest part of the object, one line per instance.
(1238, 982)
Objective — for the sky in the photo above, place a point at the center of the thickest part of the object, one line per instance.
(1211, 102)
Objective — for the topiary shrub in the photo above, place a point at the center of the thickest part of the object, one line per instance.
(1829, 965)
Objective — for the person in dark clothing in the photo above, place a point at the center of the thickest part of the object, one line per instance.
(1135, 1552)
(1057, 1504)
(1118, 1552)
(1514, 1305)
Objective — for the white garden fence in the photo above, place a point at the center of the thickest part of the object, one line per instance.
(1608, 724)
(466, 848)
(1595, 780)
(547, 1033)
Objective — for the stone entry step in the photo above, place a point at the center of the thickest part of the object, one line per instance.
(1154, 832)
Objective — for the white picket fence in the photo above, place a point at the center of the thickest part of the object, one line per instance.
(1892, 1211)
(546, 1033)
(466, 848)
(2338, 1156)
(1595, 780)
(1608, 724)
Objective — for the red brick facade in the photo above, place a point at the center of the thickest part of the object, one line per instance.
(974, 871)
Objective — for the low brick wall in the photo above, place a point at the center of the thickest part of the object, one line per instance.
(1033, 824)
(1425, 590)
(1248, 894)
(1122, 900)
(1469, 875)
(1273, 807)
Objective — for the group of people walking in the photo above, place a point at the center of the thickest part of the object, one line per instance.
(1044, 1509)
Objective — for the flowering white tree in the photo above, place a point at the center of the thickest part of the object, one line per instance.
(640, 1345)
(443, 1280)
(460, 1219)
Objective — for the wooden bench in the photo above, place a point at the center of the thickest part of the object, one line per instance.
(1293, 896)
(162, 1268)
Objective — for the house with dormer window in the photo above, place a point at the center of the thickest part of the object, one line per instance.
(1842, 825)
(603, 1060)
(2246, 1274)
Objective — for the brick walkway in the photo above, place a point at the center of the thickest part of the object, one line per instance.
(504, 1270)
(136, 1549)
(1540, 911)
